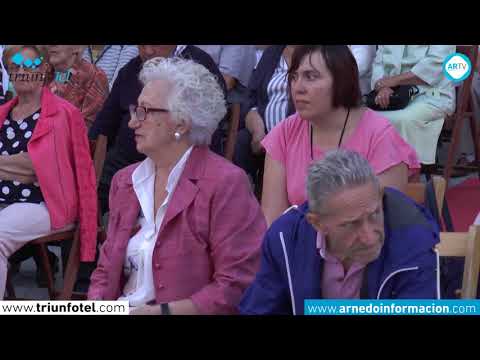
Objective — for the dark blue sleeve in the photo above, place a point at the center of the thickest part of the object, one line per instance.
(255, 90)
(252, 98)
(204, 59)
(108, 118)
(268, 294)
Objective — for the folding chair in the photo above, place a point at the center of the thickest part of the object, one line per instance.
(73, 262)
(465, 244)
(463, 110)
(417, 191)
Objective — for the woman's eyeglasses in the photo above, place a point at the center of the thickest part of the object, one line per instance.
(140, 112)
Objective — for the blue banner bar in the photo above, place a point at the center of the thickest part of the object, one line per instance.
(392, 307)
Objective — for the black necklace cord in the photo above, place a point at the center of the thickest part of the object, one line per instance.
(341, 135)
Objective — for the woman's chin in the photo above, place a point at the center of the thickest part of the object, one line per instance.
(303, 113)
(139, 148)
(142, 148)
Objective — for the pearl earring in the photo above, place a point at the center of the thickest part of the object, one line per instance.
(177, 135)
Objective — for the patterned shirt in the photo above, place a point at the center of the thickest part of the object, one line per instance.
(14, 137)
(87, 89)
(111, 59)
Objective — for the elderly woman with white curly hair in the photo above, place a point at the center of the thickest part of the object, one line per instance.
(185, 228)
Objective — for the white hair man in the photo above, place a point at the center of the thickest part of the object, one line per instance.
(352, 239)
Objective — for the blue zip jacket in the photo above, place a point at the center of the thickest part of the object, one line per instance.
(407, 267)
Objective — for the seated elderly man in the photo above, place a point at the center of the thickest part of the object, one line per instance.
(236, 63)
(353, 239)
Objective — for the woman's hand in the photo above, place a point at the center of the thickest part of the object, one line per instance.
(24, 179)
(386, 82)
(17, 167)
(383, 97)
(254, 124)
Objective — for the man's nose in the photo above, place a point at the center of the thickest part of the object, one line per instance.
(368, 234)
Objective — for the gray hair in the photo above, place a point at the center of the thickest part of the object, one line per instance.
(339, 170)
(196, 97)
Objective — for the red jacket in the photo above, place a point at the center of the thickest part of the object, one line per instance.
(208, 247)
(60, 154)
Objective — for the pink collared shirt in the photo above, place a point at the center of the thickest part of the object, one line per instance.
(335, 283)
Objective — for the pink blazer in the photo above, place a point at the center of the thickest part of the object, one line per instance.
(60, 154)
(208, 247)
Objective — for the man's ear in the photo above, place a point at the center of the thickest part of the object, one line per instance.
(314, 220)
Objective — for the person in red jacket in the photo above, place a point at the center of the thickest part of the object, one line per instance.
(47, 179)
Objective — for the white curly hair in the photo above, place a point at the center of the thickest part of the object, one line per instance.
(196, 97)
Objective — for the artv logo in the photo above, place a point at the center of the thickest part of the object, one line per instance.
(19, 60)
(457, 67)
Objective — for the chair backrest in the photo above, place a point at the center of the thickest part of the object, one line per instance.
(463, 95)
(417, 191)
(98, 151)
(464, 244)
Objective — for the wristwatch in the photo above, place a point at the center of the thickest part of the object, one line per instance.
(165, 309)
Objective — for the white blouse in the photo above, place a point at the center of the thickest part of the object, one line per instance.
(139, 289)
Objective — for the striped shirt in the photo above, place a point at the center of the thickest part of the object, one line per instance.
(111, 59)
(179, 49)
(277, 94)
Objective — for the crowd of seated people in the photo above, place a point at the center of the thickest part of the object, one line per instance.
(185, 233)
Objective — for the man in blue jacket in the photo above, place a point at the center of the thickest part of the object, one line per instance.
(353, 239)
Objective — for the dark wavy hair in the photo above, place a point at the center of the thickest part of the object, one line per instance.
(341, 64)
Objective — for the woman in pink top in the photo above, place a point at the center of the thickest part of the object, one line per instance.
(324, 86)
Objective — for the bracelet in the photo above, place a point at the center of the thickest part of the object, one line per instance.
(165, 309)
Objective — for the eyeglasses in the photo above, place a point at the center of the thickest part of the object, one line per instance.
(141, 112)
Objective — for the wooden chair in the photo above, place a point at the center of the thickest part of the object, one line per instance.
(73, 262)
(464, 109)
(416, 191)
(232, 131)
(464, 244)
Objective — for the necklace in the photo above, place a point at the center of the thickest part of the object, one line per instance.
(341, 135)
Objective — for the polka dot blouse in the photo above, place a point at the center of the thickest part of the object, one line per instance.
(14, 137)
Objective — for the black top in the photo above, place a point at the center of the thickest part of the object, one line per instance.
(14, 137)
(112, 120)
(257, 87)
